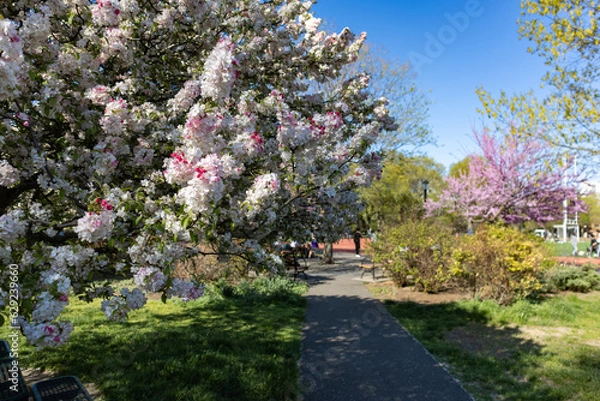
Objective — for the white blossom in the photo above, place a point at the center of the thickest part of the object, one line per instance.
(219, 71)
(12, 226)
(8, 174)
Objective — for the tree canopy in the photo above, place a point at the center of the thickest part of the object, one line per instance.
(398, 195)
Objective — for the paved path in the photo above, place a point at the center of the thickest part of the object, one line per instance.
(354, 350)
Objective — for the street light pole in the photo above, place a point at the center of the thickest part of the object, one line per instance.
(425, 187)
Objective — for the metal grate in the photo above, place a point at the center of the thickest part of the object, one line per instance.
(66, 388)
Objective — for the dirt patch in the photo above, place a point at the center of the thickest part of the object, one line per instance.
(387, 290)
(488, 341)
(542, 334)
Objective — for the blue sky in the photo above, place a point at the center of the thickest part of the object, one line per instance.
(479, 46)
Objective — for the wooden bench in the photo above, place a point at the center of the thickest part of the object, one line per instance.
(294, 262)
(370, 266)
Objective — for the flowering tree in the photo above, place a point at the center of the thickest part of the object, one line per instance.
(134, 131)
(512, 181)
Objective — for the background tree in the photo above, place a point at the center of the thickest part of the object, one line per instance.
(511, 181)
(408, 103)
(460, 168)
(565, 34)
(398, 195)
(592, 213)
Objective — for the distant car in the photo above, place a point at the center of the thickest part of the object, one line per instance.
(540, 232)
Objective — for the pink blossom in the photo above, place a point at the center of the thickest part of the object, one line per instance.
(106, 12)
(510, 181)
(93, 227)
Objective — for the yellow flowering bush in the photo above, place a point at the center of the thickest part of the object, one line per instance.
(500, 263)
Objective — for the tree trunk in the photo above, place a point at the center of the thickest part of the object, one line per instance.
(328, 253)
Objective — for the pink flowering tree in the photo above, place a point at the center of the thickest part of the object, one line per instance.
(137, 133)
(512, 181)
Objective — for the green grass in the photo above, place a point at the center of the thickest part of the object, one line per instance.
(566, 249)
(244, 346)
(547, 350)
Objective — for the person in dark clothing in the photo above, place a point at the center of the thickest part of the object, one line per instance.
(357, 237)
(593, 249)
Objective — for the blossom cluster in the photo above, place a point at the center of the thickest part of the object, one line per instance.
(12, 226)
(95, 226)
(8, 174)
(118, 307)
(11, 59)
(510, 181)
(151, 279)
(219, 71)
(44, 335)
(264, 186)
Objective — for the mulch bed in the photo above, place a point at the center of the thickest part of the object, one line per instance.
(577, 261)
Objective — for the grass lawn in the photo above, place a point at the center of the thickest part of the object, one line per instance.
(566, 249)
(547, 350)
(241, 347)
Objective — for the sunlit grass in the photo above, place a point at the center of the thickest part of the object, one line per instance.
(566, 249)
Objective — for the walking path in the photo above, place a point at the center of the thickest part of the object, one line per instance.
(354, 350)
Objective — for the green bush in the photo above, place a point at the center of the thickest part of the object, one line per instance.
(572, 278)
(417, 252)
(500, 263)
(263, 290)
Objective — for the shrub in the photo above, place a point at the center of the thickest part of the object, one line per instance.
(263, 290)
(571, 278)
(416, 251)
(500, 263)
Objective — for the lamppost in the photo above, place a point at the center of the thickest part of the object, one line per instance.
(425, 187)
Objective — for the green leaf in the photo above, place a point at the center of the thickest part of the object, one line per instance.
(186, 222)
(27, 307)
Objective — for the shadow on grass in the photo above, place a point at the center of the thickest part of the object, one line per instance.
(492, 362)
(213, 350)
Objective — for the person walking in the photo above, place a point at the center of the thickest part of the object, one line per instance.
(574, 244)
(357, 237)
